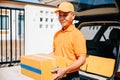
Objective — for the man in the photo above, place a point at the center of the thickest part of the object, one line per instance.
(70, 43)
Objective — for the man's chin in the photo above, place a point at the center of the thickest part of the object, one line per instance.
(64, 25)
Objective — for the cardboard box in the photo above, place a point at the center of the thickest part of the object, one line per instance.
(39, 66)
(99, 65)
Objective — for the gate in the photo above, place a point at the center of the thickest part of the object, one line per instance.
(12, 25)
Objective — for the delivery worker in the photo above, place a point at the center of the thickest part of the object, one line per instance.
(69, 43)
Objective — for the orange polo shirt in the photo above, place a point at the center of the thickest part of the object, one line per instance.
(70, 44)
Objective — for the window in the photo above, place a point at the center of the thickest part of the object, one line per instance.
(90, 31)
(41, 25)
(4, 22)
(20, 25)
(46, 19)
(41, 19)
(107, 33)
(41, 11)
(47, 12)
(51, 19)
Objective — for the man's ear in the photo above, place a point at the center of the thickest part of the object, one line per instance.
(73, 16)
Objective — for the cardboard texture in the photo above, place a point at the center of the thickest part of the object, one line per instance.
(99, 65)
(39, 66)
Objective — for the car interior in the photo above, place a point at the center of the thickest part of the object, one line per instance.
(103, 57)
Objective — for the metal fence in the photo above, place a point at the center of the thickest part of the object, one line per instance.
(12, 33)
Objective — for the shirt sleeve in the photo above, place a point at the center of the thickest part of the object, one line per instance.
(80, 45)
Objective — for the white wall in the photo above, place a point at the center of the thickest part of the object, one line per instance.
(39, 39)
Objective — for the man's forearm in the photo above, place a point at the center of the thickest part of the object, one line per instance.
(79, 62)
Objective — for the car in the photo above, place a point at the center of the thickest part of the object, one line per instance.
(99, 21)
(103, 42)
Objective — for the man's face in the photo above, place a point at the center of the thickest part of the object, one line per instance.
(66, 18)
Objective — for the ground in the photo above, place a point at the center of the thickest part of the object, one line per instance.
(12, 73)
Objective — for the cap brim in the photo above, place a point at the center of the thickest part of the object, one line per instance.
(60, 10)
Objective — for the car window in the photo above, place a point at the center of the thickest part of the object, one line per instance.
(90, 31)
(107, 32)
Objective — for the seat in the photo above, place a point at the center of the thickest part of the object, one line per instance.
(112, 43)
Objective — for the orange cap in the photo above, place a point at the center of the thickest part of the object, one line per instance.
(65, 7)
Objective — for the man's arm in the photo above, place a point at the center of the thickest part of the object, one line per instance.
(62, 71)
(79, 62)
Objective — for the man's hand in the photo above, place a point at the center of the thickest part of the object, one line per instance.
(60, 72)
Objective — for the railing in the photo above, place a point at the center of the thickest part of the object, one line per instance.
(12, 35)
